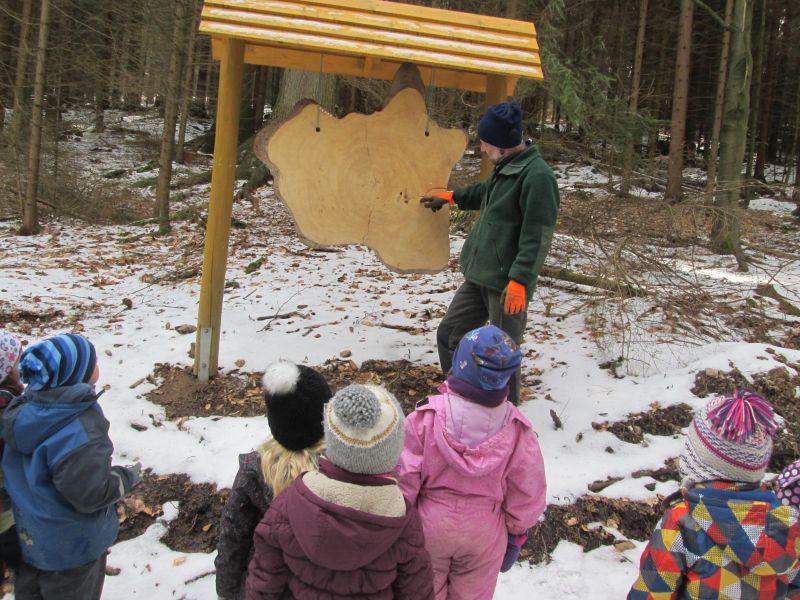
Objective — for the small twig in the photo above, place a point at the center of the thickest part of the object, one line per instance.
(201, 576)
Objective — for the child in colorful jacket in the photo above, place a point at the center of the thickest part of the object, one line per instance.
(723, 535)
(345, 531)
(294, 396)
(10, 388)
(472, 466)
(57, 464)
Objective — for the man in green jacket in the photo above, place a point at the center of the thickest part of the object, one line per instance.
(506, 248)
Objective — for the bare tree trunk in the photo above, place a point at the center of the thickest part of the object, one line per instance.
(725, 228)
(759, 38)
(170, 110)
(767, 88)
(633, 103)
(20, 89)
(711, 180)
(680, 101)
(188, 70)
(104, 69)
(30, 217)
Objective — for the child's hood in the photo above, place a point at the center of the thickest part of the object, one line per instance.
(337, 537)
(752, 527)
(488, 455)
(36, 415)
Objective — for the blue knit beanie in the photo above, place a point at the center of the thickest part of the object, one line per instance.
(57, 361)
(486, 358)
(501, 126)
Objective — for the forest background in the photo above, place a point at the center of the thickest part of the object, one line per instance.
(640, 89)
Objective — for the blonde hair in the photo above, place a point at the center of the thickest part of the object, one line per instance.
(281, 467)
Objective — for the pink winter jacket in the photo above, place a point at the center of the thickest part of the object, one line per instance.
(505, 467)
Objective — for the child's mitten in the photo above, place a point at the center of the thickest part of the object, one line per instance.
(515, 543)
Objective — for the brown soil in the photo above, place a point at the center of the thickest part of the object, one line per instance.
(238, 394)
(195, 529)
(582, 523)
(657, 421)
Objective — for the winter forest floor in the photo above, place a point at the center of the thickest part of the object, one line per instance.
(632, 326)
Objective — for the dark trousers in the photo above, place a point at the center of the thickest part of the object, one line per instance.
(9, 548)
(81, 583)
(472, 307)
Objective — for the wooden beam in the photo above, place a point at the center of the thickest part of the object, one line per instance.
(220, 203)
(498, 89)
(355, 66)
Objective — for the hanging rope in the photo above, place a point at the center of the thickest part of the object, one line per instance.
(319, 89)
(429, 101)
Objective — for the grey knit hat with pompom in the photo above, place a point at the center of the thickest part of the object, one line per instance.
(364, 429)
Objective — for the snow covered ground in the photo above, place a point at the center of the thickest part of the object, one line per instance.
(343, 299)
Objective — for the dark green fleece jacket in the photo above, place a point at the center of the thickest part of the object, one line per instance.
(519, 205)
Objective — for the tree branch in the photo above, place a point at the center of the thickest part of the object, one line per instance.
(714, 15)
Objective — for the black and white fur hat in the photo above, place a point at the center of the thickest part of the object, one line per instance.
(295, 396)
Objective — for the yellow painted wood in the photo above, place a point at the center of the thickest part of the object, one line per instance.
(365, 25)
(379, 9)
(373, 37)
(223, 171)
(498, 89)
(357, 67)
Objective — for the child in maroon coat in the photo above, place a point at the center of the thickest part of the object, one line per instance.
(346, 531)
(294, 396)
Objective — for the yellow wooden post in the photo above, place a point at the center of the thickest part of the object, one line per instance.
(498, 89)
(223, 171)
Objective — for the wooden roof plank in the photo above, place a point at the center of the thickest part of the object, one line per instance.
(358, 67)
(360, 34)
(412, 26)
(394, 9)
(363, 48)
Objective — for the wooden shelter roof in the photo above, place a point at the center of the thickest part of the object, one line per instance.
(372, 38)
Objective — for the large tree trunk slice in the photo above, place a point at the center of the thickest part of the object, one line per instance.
(358, 180)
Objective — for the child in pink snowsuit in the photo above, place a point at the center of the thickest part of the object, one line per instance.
(472, 465)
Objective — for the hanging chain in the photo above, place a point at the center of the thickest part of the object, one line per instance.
(429, 101)
(319, 89)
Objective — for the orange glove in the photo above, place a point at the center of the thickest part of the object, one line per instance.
(515, 298)
(437, 200)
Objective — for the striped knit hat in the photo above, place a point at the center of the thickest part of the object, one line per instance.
(789, 485)
(10, 350)
(731, 440)
(364, 430)
(58, 361)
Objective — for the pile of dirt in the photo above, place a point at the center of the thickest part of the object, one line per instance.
(195, 529)
(409, 382)
(227, 394)
(239, 394)
(658, 420)
(585, 522)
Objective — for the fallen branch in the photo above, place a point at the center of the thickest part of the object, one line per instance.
(624, 289)
(769, 291)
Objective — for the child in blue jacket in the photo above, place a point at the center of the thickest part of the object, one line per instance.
(57, 465)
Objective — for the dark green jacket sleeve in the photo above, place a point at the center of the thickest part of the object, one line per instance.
(539, 204)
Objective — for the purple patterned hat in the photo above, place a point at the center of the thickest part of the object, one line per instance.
(789, 485)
